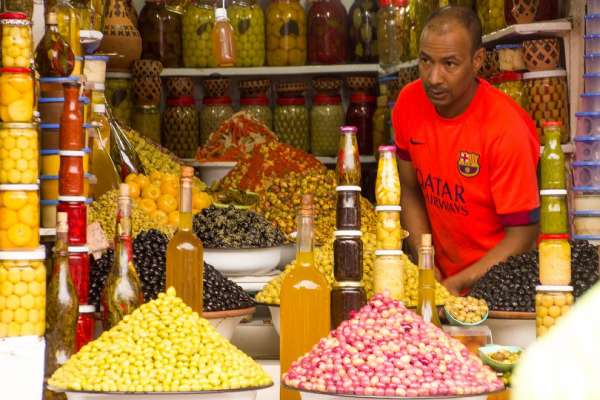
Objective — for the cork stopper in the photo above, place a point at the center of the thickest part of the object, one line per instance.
(123, 190)
(187, 172)
(51, 19)
(307, 206)
(426, 240)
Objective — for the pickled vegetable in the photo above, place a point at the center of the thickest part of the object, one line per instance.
(555, 260)
(53, 55)
(467, 309)
(198, 22)
(180, 127)
(552, 161)
(17, 42)
(286, 33)
(326, 117)
(146, 121)
(248, 23)
(291, 122)
(19, 153)
(389, 230)
(348, 166)
(392, 34)
(216, 111)
(16, 102)
(327, 36)
(363, 31)
(514, 88)
(387, 185)
(19, 217)
(550, 306)
(553, 212)
(119, 97)
(160, 30)
(388, 272)
(258, 109)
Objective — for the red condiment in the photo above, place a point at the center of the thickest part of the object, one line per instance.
(360, 114)
(85, 326)
(327, 32)
(79, 266)
(77, 218)
(71, 119)
(70, 178)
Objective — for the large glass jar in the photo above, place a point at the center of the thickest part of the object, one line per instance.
(161, 34)
(19, 153)
(215, 111)
(388, 273)
(555, 260)
(258, 108)
(99, 10)
(20, 222)
(360, 114)
(553, 212)
(18, 6)
(84, 14)
(420, 11)
(511, 84)
(547, 99)
(291, 122)
(180, 127)
(552, 160)
(363, 31)
(326, 117)
(379, 136)
(146, 120)
(17, 42)
(248, 22)
(17, 100)
(286, 33)
(327, 32)
(198, 23)
(391, 33)
(491, 14)
(119, 97)
(389, 230)
(551, 304)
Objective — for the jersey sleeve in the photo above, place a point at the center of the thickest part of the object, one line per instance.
(513, 174)
(399, 123)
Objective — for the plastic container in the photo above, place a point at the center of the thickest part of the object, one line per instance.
(588, 123)
(586, 222)
(79, 266)
(590, 102)
(587, 201)
(551, 304)
(593, 6)
(76, 217)
(547, 98)
(94, 68)
(17, 100)
(347, 256)
(591, 82)
(587, 148)
(472, 337)
(510, 57)
(555, 259)
(19, 153)
(50, 162)
(592, 63)
(17, 42)
(586, 173)
(348, 208)
(23, 294)
(592, 43)
(48, 210)
(554, 218)
(19, 217)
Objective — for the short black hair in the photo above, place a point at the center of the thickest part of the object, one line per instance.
(464, 16)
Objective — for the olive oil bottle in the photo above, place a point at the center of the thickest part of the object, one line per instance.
(426, 307)
(185, 253)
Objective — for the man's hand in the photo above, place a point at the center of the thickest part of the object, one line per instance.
(454, 285)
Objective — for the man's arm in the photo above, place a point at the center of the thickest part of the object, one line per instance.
(518, 240)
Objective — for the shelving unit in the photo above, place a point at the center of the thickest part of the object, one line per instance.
(274, 71)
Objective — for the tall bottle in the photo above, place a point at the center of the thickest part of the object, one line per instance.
(222, 40)
(426, 307)
(71, 120)
(122, 292)
(304, 298)
(553, 159)
(185, 253)
(62, 305)
(69, 27)
(103, 166)
(53, 55)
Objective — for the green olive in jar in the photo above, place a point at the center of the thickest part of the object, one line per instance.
(197, 24)
(119, 97)
(291, 125)
(248, 23)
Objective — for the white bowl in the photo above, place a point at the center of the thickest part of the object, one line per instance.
(213, 171)
(90, 40)
(225, 322)
(288, 254)
(243, 262)
(275, 317)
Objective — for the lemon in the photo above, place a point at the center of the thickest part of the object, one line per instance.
(29, 215)
(40, 274)
(20, 289)
(14, 176)
(9, 95)
(14, 275)
(160, 216)
(14, 200)
(9, 163)
(39, 302)
(12, 302)
(8, 144)
(130, 178)
(20, 234)
(151, 192)
(14, 329)
(36, 289)
(28, 154)
(6, 316)
(4, 112)
(155, 176)
(27, 301)
(201, 200)
(134, 189)
(27, 329)
(20, 315)
(27, 275)
(22, 164)
(33, 316)
(23, 85)
(29, 176)
(167, 203)
(148, 205)
(22, 142)
(2, 302)
(3, 330)
(20, 110)
(142, 180)
(168, 186)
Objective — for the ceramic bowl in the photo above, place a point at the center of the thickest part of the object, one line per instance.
(486, 351)
(214, 171)
(225, 322)
(243, 262)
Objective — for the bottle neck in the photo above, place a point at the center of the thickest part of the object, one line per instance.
(52, 28)
(304, 241)
(61, 261)
(185, 205)
(552, 138)
(71, 97)
(426, 256)
(123, 229)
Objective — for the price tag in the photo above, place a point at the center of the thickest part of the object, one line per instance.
(97, 241)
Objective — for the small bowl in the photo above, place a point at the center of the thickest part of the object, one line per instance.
(592, 62)
(90, 40)
(592, 43)
(586, 173)
(276, 317)
(541, 54)
(486, 351)
(590, 102)
(225, 322)
(243, 262)
(454, 322)
(587, 148)
(588, 123)
(214, 171)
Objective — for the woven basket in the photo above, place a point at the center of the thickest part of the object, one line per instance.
(180, 87)
(524, 11)
(254, 87)
(327, 84)
(491, 64)
(146, 91)
(290, 87)
(216, 87)
(146, 68)
(361, 82)
(541, 54)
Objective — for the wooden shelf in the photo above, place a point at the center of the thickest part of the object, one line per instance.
(274, 71)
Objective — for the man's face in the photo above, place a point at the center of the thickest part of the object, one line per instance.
(447, 65)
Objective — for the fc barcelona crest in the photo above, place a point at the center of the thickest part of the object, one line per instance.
(468, 164)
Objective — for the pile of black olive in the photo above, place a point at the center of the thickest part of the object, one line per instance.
(221, 228)
(149, 256)
(510, 285)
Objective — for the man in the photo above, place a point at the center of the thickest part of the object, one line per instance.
(468, 156)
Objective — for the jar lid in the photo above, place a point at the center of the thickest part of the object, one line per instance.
(508, 46)
(388, 208)
(96, 57)
(350, 233)
(362, 98)
(60, 79)
(348, 129)
(19, 19)
(49, 126)
(586, 213)
(592, 36)
(87, 309)
(553, 288)
(548, 124)
(545, 74)
(507, 76)
(13, 15)
(211, 101)
(72, 199)
(181, 101)
(49, 152)
(590, 114)
(48, 177)
(78, 249)
(348, 189)
(385, 148)
(586, 164)
(388, 253)
(562, 236)
(86, 150)
(592, 16)
(18, 125)
(321, 99)
(347, 284)
(82, 99)
(254, 101)
(15, 70)
(49, 202)
(23, 187)
(553, 192)
(290, 101)
(37, 254)
(71, 153)
(88, 126)
(99, 108)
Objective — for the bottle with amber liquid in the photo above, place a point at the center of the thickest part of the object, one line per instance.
(305, 299)
(426, 307)
(122, 293)
(222, 40)
(185, 253)
(62, 305)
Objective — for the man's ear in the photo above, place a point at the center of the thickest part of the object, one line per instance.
(478, 59)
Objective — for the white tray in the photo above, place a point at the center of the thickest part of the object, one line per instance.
(240, 394)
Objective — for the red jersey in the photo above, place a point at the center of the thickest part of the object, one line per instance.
(477, 172)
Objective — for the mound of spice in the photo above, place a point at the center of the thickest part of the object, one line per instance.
(387, 350)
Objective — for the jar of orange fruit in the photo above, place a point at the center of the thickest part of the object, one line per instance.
(18, 153)
(17, 100)
(19, 217)
(286, 33)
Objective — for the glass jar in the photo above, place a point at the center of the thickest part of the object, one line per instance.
(348, 208)
(84, 333)
(76, 211)
(363, 31)
(327, 35)
(48, 211)
(258, 108)
(180, 127)
(491, 14)
(50, 162)
(291, 122)
(379, 136)
(18, 6)
(198, 22)
(389, 231)
(387, 185)
(460, 3)
(146, 121)
(19, 153)
(160, 30)
(286, 33)
(348, 256)
(119, 97)
(98, 11)
(546, 10)
(555, 260)
(248, 22)
(49, 187)
(216, 110)
(360, 114)
(547, 99)
(79, 267)
(346, 298)
(510, 57)
(83, 12)
(348, 167)
(420, 10)
(553, 212)
(388, 273)
(552, 161)
(17, 42)
(19, 217)
(551, 304)
(94, 69)
(511, 84)
(53, 87)
(326, 117)
(17, 100)
(71, 173)
(23, 294)
(391, 34)
(69, 28)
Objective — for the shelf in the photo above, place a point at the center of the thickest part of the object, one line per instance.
(558, 26)
(333, 160)
(272, 71)
(398, 67)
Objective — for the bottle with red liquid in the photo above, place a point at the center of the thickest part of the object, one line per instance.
(222, 40)
(327, 32)
(360, 114)
(71, 121)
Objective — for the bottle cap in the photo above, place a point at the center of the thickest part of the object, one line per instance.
(348, 129)
(123, 190)
(426, 240)
(99, 108)
(187, 171)
(51, 19)
(220, 13)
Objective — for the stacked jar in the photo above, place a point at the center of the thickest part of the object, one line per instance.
(361, 109)
(291, 119)
(348, 294)
(216, 108)
(146, 98)
(326, 116)
(254, 100)
(180, 123)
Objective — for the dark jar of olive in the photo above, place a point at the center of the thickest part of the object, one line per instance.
(348, 208)
(160, 29)
(346, 299)
(348, 256)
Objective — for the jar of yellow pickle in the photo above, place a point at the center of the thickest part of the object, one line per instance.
(19, 217)
(286, 33)
(387, 184)
(22, 293)
(551, 304)
(17, 42)
(17, 99)
(18, 153)
(389, 233)
(555, 259)
(511, 84)
(119, 95)
(491, 14)
(248, 22)
(197, 25)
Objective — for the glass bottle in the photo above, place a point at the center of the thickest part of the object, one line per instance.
(286, 33)
(327, 36)
(348, 161)
(426, 306)
(69, 27)
(62, 305)
(71, 121)
(99, 9)
(326, 117)
(103, 166)
(360, 114)
(198, 22)
(305, 314)
(223, 40)
(160, 29)
(53, 55)
(387, 184)
(363, 31)
(185, 253)
(553, 159)
(248, 22)
(122, 292)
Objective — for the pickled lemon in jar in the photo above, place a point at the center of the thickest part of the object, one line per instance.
(17, 42)
(387, 185)
(19, 217)
(286, 33)
(17, 100)
(248, 22)
(18, 153)
(198, 22)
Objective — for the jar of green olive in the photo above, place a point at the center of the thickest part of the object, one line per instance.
(291, 122)
(180, 127)
(197, 26)
(326, 117)
(511, 84)
(215, 111)
(248, 22)
(258, 108)
(146, 120)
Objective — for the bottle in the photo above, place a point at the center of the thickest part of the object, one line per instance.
(426, 307)
(103, 166)
(62, 305)
(185, 253)
(53, 55)
(69, 27)
(122, 292)
(222, 39)
(553, 159)
(348, 161)
(305, 314)
(71, 121)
